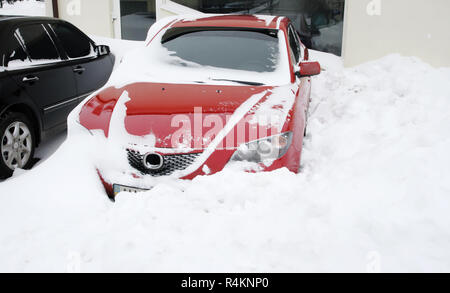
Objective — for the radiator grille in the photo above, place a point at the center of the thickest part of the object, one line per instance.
(172, 163)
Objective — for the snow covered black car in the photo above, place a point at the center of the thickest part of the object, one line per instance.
(47, 67)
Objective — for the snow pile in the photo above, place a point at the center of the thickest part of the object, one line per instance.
(373, 194)
(26, 7)
(119, 48)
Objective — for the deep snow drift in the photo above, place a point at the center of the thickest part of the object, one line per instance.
(26, 7)
(373, 194)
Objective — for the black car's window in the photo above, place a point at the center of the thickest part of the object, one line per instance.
(38, 43)
(295, 46)
(230, 49)
(76, 44)
(16, 56)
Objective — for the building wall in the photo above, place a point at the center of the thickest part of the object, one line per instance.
(48, 8)
(375, 28)
(372, 29)
(165, 8)
(91, 16)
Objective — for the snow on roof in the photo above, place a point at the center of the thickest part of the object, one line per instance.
(229, 20)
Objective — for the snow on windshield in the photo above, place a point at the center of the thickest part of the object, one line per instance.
(160, 62)
(239, 50)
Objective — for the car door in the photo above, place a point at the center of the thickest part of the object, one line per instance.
(91, 70)
(44, 77)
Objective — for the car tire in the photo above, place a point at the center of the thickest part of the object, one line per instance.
(17, 138)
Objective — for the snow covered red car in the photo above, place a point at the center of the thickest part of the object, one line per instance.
(205, 92)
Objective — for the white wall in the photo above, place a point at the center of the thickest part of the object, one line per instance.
(375, 28)
(166, 8)
(48, 8)
(91, 16)
(409, 27)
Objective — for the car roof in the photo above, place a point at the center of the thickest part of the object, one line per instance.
(6, 17)
(17, 19)
(233, 20)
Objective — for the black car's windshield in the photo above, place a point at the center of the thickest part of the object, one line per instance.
(247, 50)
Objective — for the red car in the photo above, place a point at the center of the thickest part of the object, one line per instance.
(203, 94)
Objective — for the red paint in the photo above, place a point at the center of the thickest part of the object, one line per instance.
(155, 115)
(309, 68)
(108, 186)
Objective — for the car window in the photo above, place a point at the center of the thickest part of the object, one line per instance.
(239, 50)
(299, 43)
(38, 43)
(294, 45)
(16, 56)
(75, 43)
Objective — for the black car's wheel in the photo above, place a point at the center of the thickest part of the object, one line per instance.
(16, 143)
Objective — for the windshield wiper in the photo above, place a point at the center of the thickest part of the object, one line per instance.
(241, 81)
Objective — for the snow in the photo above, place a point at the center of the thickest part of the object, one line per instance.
(372, 195)
(118, 47)
(267, 18)
(25, 7)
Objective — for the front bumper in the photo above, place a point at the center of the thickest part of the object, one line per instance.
(132, 180)
(141, 180)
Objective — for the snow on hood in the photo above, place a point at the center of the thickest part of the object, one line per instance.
(153, 105)
(135, 122)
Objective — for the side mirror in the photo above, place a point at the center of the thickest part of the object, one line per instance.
(102, 50)
(308, 69)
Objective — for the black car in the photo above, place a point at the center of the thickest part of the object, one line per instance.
(47, 67)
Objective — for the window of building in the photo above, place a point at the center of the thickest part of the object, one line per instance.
(319, 22)
(136, 17)
(74, 42)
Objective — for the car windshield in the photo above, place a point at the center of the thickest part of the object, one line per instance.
(248, 50)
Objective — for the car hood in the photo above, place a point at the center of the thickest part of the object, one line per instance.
(160, 110)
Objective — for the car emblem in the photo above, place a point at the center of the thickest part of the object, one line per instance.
(153, 161)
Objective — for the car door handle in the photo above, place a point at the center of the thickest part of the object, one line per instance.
(29, 79)
(79, 69)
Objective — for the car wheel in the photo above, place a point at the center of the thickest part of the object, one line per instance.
(16, 143)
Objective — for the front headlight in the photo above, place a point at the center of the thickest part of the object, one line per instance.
(263, 150)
